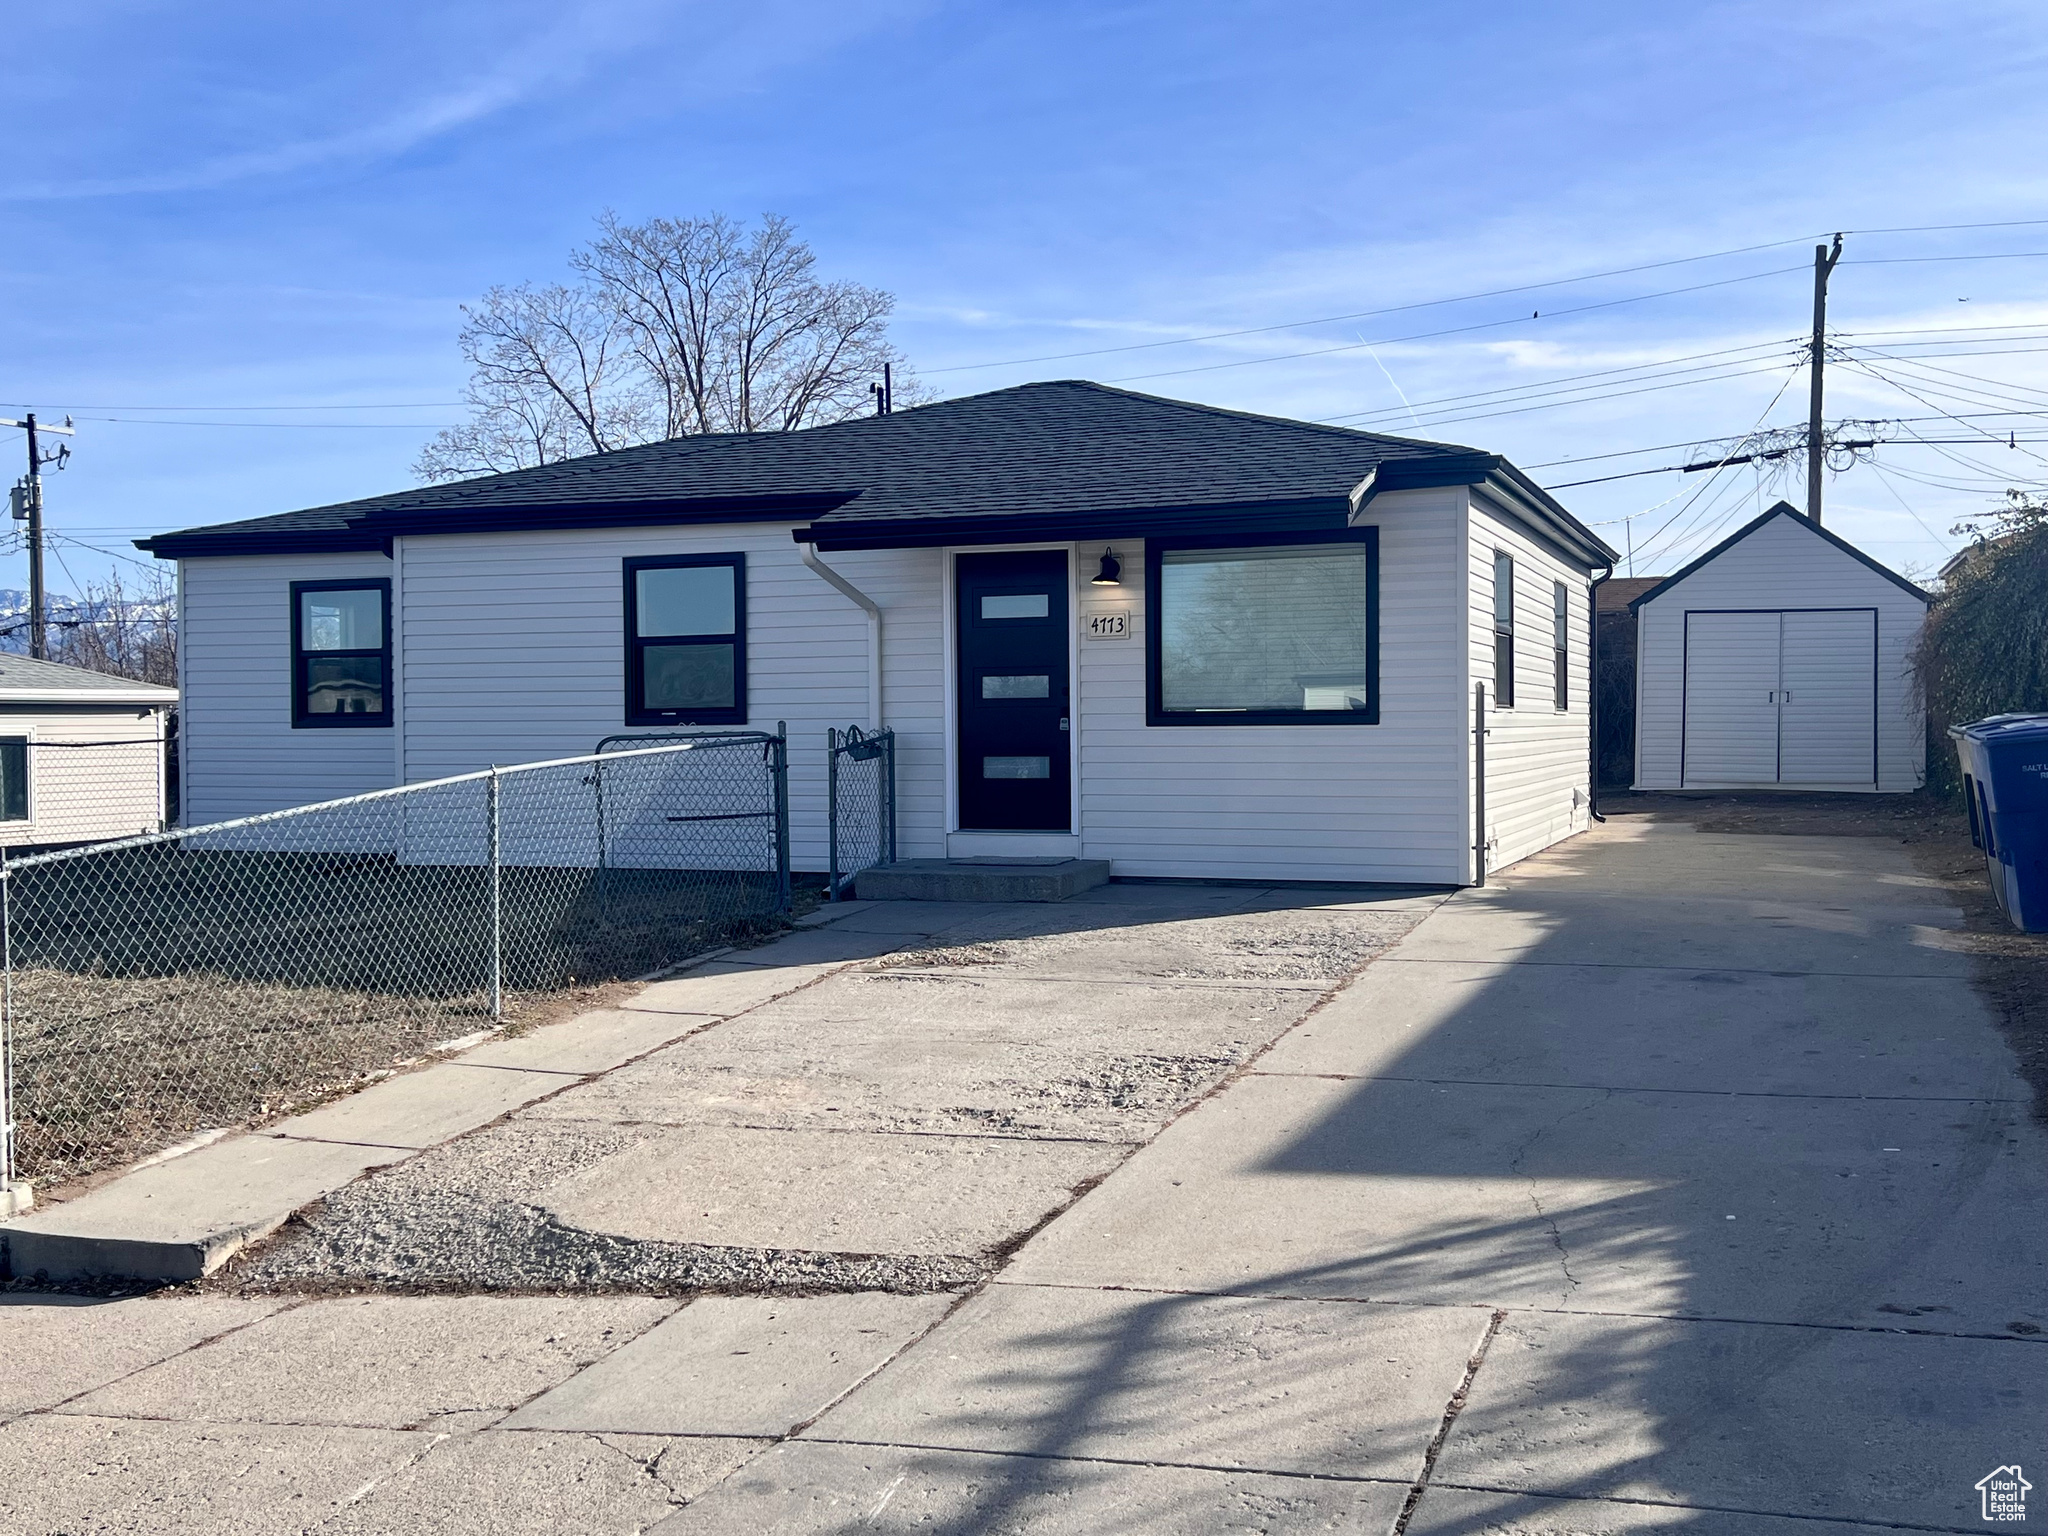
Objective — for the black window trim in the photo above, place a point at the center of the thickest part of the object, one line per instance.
(1155, 714)
(1561, 646)
(26, 740)
(304, 719)
(636, 644)
(1503, 639)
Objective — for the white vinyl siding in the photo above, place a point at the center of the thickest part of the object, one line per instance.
(1786, 568)
(1536, 753)
(1289, 802)
(239, 751)
(514, 651)
(78, 789)
(509, 647)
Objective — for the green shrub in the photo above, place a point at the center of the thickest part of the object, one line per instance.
(1985, 648)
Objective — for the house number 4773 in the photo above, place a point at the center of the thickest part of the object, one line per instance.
(1110, 624)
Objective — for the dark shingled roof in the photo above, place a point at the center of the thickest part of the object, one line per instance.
(1035, 459)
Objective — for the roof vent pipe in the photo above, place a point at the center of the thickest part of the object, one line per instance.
(874, 612)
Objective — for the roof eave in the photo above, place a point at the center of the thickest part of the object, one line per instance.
(1309, 514)
(146, 694)
(374, 531)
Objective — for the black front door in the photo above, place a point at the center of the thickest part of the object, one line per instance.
(1014, 715)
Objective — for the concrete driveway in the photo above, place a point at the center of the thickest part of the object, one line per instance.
(1677, 1181)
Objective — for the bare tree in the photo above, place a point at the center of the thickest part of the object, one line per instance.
(676, 327)
(551, 377)
(122, 628)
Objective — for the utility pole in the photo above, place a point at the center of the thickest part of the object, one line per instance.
(28, 506)
(1816, 435)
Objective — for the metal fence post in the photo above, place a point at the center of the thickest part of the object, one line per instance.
(889, 790)
(832, 813)
(1479, 782)
(497, 904)
(781, 753)
(6, 1038)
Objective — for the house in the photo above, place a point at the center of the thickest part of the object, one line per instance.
(81, 754)
(1778, 660)
(1195, 642)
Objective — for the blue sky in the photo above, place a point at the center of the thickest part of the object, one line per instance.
(244, 205)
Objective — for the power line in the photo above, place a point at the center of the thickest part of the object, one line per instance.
(402, 405)
(285, 426)
(1363, 314)
(1584, 398)
(1458, 330)
(1539, 384)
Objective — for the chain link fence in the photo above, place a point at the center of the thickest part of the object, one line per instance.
(860, 797)
(92, 777)
(208, 976)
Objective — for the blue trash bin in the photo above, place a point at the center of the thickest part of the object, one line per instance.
(2005, 781)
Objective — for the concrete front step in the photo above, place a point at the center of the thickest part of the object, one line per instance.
(981, 879)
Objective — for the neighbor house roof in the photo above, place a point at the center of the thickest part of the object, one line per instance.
(1039, 461)
(24, 680)
(1782, 509)
(1619, 591)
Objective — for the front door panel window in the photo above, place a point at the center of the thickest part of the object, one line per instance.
(1015, 773)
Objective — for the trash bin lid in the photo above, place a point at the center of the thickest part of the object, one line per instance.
(2005, 728)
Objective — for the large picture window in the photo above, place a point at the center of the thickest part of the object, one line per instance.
(1266, 632)
(341, 653)
(686, 640)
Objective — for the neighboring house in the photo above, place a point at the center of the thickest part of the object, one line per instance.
(1616, 652)
(1196, 642)
(81, 754)
(1778, 660)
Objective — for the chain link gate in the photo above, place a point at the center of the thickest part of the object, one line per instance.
(208, 976)
(860, 797)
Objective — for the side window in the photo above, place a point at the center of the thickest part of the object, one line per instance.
(1503, 629)
(686, 640)
(1560, 643)
(341, 653)
(13, 778)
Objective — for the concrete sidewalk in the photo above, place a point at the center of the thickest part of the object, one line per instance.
(1673, 1182)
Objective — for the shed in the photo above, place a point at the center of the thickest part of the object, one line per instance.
(81, 754)
(1189, 642)
(1779, 660)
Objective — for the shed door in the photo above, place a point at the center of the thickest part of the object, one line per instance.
(1731, 698)
(1781, 697)
(1828, 698)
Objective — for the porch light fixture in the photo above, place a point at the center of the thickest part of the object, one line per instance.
(1111, 573)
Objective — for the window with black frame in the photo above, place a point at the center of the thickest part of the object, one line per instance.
(1560, 643)
(686, 640)
(341, 653)
(1503, 630)
(1268, 632)
(13, 778)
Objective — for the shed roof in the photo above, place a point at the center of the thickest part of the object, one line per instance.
(24, 679)
(1050, 460)
(1782, 509)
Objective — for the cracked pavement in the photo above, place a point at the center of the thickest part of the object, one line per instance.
(1673, 1181)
